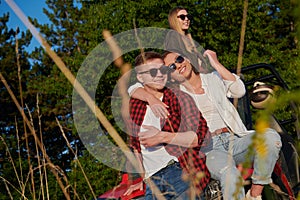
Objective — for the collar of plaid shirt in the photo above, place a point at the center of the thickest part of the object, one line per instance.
(180, 104)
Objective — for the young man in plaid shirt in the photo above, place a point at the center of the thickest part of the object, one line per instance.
(168, 149)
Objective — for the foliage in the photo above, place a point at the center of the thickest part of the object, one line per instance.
(76, 29)
(99, 176)
(14, 68)
(9, 67)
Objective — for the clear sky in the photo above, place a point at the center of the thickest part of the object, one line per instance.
(32, 8)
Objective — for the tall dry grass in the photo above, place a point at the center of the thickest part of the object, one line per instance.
(44, 162)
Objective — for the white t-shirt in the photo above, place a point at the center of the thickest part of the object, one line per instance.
(208, 110)
(154, 158)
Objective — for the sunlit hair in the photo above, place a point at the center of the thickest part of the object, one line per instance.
(166, 53)
(173, 20)
(146, 56)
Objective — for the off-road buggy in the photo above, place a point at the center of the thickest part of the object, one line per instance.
(260, 91)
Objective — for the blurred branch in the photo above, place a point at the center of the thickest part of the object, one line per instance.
(241, 47)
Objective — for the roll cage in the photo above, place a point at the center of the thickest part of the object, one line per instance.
(289, 156)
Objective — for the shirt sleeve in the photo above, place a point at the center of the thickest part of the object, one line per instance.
(137, 111)
(192, 117)
(132, 88)
(235, 89)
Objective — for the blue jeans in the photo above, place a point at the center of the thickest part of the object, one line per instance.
(170, 184)
(222, 161)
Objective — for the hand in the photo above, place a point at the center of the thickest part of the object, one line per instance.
(212, 56)
(151, 137)
(158, 107)
(223, 71)
(160, 110)
(137, 186)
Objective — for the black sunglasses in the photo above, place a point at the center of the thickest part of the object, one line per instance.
(153, 72)
(182, 17)
(179, 60)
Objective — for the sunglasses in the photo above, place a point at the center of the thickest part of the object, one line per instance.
(153, 72)
(182, 17)
(179, 60)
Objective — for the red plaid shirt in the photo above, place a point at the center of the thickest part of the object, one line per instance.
(184, 116)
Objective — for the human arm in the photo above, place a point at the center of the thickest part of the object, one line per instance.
(192, 118)
(158, 107)
(185, 126)
(223, 71)
(138, 185)
(234, 85)
(153, 137)
(136, 149)
(134, 187)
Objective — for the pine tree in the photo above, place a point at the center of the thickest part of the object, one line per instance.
(75, 31)
(15, 66)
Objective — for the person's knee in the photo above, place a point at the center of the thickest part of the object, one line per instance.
(217, 163)
(273, 140)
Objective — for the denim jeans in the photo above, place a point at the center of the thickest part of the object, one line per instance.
(170, 184)
(222, 160)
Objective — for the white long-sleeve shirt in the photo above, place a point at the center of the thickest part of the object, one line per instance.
(218, 91)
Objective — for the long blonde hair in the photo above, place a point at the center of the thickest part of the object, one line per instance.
(175, 25)
(173, 21)
(187, 38)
